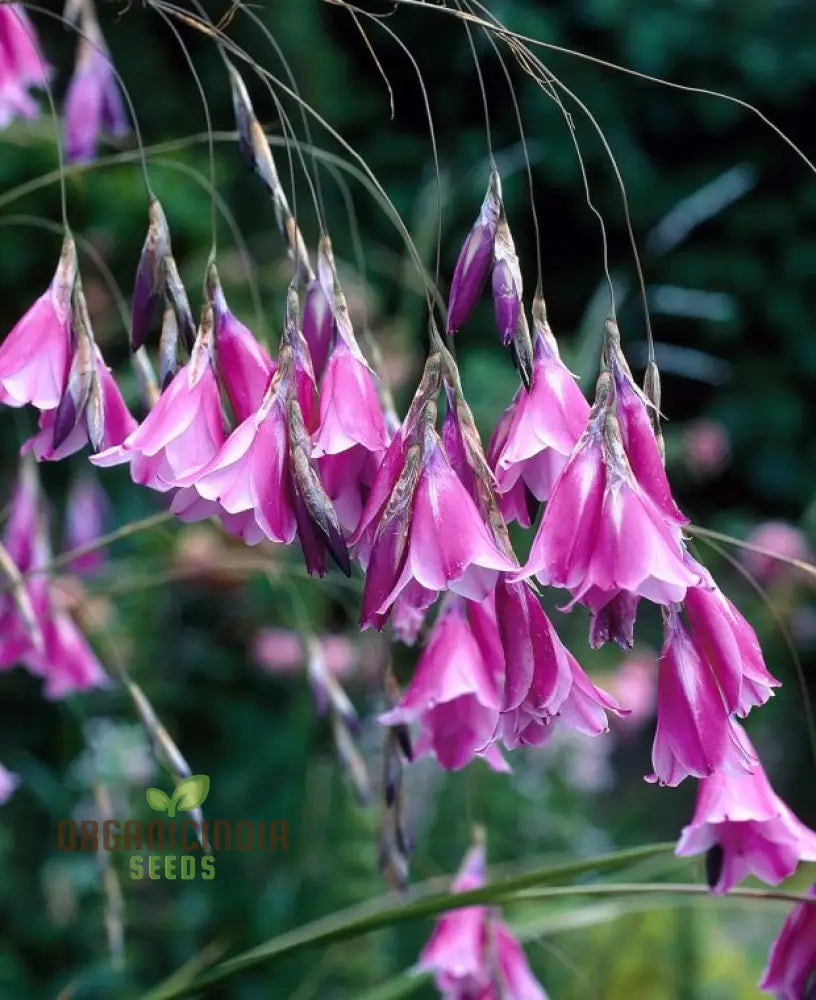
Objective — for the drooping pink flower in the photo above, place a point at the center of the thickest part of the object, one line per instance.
(475, 258)
(34, 356)
(745, 828)
(351, 439)
(639, 442)
(93, 103)
(185, 428)
(86, 514)
(729, 647)
(539, 429)
(103, 413)
(543, 681)
(601, 532)
(791, 970)
(67, 664)
(776, 538)
(60, 654)
(430, 533)
(472, 954)
(454, 693)
(21, 66)
(696, 734)
(244, 366)
(9, 782)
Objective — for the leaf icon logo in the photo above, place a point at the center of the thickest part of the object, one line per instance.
(189, 795)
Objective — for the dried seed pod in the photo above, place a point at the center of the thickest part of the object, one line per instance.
(258, 155)
(522, 351)
(168, 347)
(177, 297)
(95, 412)
(318, 524)
(165, 751)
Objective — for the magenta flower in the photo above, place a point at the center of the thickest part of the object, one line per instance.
(539, 430)
(430, 532)
(791, 970)
(244, 366)
(183, 431)
(351, 439)
(61, 654)
(639, 442)
(745, 828)
(93, 103)
(472, 954)
(600, 532)
(696, 734)
(543, 681)
(20, 64)
(103, 413)
(87, 512)
(68, 664)
(34, 357)
(454, 693)
(9, 782)
(249, 474)
(729, 646)
(475, 258)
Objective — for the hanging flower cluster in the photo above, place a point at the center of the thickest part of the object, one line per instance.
(300, 447)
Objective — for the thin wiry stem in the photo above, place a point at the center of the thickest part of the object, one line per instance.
(434, 149)
(35, 44)
(317, 191)
(525, 152)
(207, 119)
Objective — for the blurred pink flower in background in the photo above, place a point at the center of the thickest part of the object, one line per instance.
(634, 684)
(86, 513)
(8, 784)
(706, 447)
(283, 651)
(781, 538)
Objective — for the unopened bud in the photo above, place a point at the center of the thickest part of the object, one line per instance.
(150, 274)
(475, 258)
(83, 364)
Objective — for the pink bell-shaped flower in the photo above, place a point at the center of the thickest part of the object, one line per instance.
(696, 734)
(21, 66)
(34, 357)
(745, 829)
(791, 970)
(454, 693)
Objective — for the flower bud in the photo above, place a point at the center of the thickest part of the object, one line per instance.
(475, 258)
(150, 274)
(506, 282)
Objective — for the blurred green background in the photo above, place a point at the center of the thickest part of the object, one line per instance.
(732, 302)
